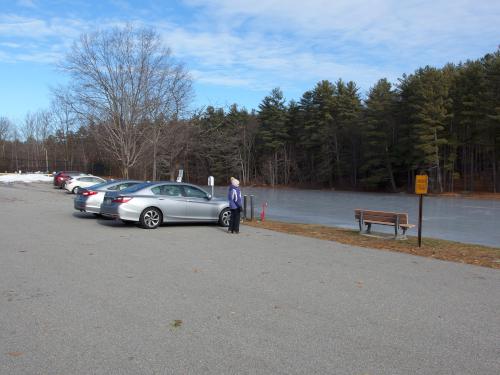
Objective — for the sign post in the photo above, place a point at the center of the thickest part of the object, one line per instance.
(181, 174)
(211, 182)
(421, 185)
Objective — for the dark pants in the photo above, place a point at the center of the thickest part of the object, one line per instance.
(234, 222)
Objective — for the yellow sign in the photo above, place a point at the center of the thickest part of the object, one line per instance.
(421, 183)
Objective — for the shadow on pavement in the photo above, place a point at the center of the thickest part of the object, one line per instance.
(114, 223)
(84, 215)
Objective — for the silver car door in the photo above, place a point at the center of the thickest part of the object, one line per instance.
(171, 201)
(199, 207)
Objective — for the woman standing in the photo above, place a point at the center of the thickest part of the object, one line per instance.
(234, 198)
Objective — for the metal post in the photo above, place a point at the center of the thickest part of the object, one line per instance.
(251, 207)
(245, 199)
(211, 183)
(420, 220)
(396, 227)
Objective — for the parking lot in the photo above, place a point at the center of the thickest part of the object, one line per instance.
(80, 295)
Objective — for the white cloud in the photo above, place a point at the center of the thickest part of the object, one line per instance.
(291, 43)
(27, 3)
(12, 25)
(43, 40)
(5, 57)
(409, 26)
(253, 62)
(11, 45)
(258, 45)
(220, 78)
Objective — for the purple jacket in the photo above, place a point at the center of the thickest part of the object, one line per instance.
(234, 197)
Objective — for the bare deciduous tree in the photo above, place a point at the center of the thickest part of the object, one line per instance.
(166, 112)
(5, 126)
(122, 81)
(28, 133)
(43, 129)
(65, 120)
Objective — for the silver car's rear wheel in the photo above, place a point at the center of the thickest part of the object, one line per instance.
(75, 190)
(225, 217)
(150, 218)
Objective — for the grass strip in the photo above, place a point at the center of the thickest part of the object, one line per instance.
(432, 248)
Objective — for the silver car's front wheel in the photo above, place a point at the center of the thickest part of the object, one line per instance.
(150, 218)
(225, 217)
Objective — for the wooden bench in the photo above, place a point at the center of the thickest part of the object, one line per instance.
(396, 219)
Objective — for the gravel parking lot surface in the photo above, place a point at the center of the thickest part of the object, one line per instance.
(80, 295)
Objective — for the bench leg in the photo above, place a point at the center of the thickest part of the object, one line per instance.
(368, 228)
(401, 236)
(360, 226)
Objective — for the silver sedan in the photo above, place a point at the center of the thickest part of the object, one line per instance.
(153, 203)
(90, 199)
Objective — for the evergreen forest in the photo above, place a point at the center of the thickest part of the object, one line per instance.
(444, 122)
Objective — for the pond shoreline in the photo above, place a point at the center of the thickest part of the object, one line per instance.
(481, 195)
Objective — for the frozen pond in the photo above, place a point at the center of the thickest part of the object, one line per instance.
(456, 219)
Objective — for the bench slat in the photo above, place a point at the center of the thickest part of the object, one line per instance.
(379, 222)
(381, 216)
(395, 219)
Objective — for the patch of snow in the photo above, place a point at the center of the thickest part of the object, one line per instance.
(28, 177)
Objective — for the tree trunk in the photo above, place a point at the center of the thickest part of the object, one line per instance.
(464, 168)
(286, 169)
(438, 167)
(125, 171)
(337, 158)
(471, 168)
(389, 169)
(172, 170)
(154, 160)
(46, 161)
(452, 177)
(494, 167)
(271, 171)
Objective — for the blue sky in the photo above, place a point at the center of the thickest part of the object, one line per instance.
(237, 51)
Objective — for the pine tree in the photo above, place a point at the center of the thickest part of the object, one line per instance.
(273, 134)
(347, 132)
(491, 63)
(322, 131)
(379, 136)
(429, 103)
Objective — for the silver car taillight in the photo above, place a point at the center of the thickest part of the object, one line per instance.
(121, 199)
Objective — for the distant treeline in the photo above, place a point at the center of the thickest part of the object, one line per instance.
(444, 122)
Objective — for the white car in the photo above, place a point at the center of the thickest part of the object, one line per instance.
(74, 183)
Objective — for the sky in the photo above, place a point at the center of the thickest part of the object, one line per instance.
(237, 51)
